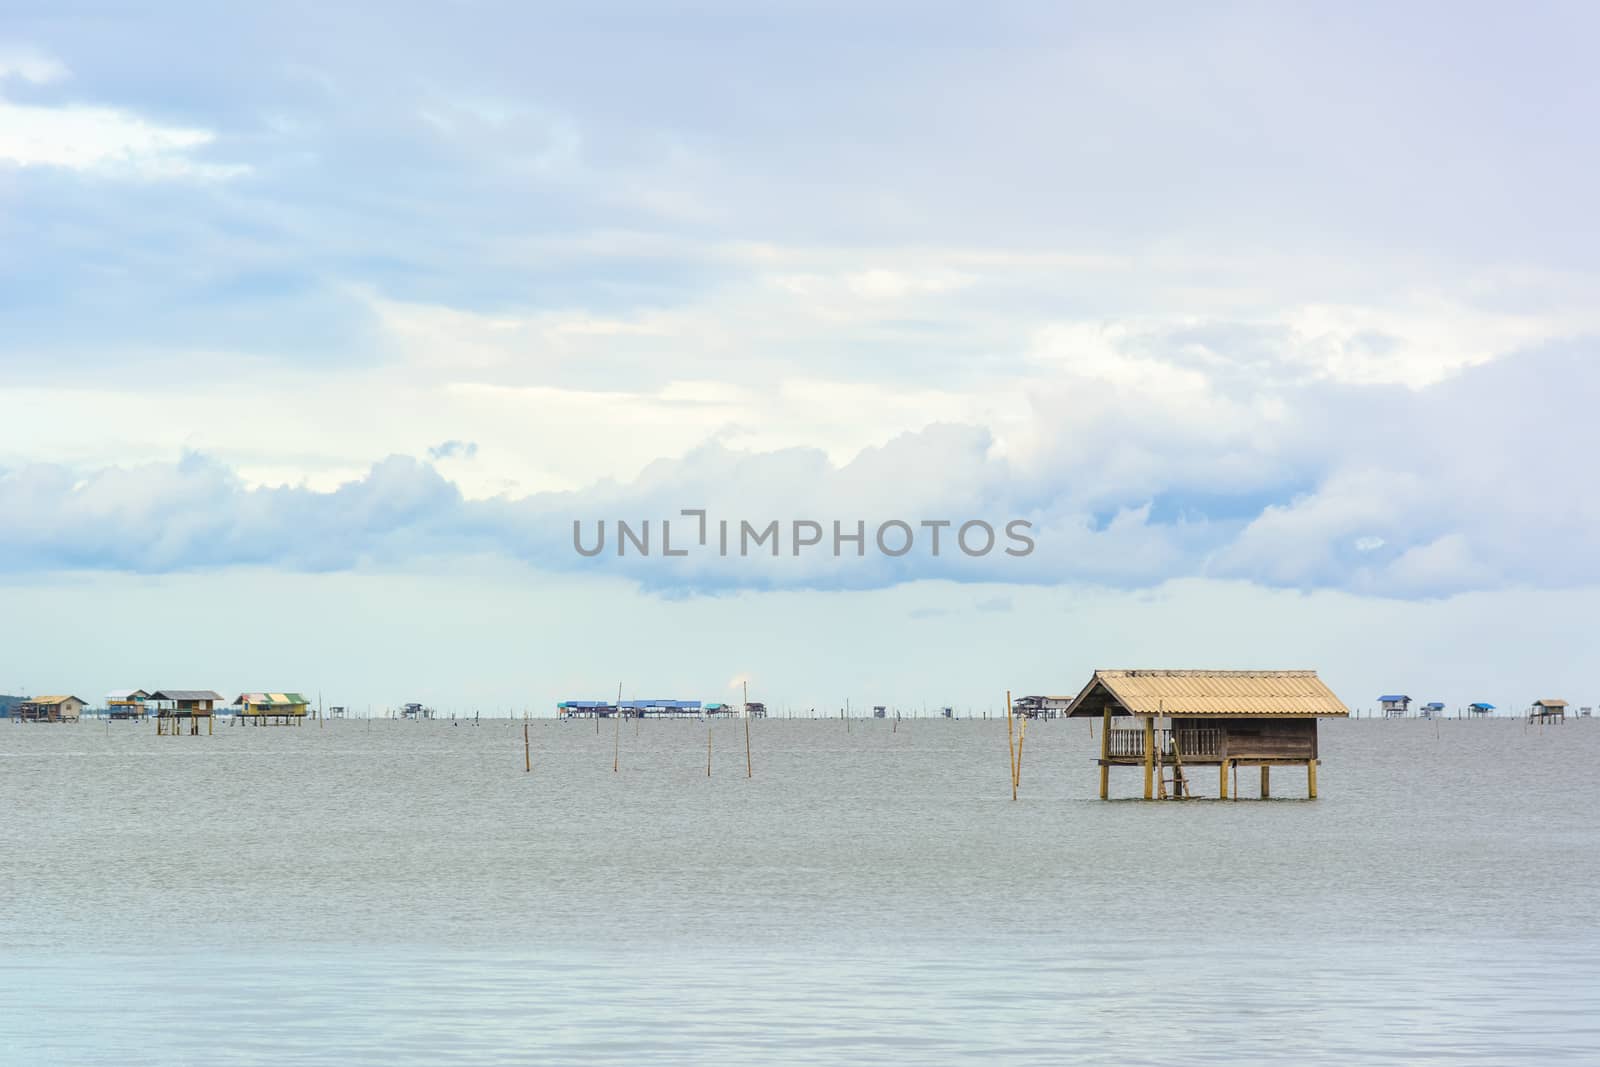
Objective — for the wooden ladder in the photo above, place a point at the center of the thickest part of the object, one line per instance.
(1179, 784)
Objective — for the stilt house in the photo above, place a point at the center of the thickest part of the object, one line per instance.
(1222, 719)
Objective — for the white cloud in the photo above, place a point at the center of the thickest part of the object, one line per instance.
(1389, 514)
(104, 140)
(30, 65)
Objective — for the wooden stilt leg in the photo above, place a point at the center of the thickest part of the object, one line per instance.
(1105, 755)
(1266, 782)
(1311, 778)
(1222, 790)
(1149, 757)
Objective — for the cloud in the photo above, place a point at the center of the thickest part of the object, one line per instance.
(106, 141)
(29, 65)
(1449, 492)
(453, 450)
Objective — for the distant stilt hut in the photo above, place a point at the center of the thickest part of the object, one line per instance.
(1394, 705)
(55, 708)
(127, 703)
(272, 709)
(1040, 707)
(1548, 710)
(174, 707)
(1480, 708)
(1432, 710)
(1224, 719)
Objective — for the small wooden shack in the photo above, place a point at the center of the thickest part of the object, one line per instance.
(189, 703)
(1394, 705)
(1224, 719)
(58, 708)
(176, 708)
(1548, 710)
(271, 709)
(1479, 707)
(1041, 707)
(1434, 709)
(127, 703)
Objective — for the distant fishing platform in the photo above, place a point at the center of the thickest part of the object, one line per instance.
(652, 709)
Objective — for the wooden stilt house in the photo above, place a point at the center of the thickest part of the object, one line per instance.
(1395, 705)
(56, 708)
(178, 708)
(127, 703)
(1548, 710)
(272, 709)
(1191, 719)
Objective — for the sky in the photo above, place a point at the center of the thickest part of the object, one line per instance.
(320, 329)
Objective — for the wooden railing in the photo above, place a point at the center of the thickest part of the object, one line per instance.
(1126, 743)
(1203, 742)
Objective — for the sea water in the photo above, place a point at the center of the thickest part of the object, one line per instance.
(405, 892)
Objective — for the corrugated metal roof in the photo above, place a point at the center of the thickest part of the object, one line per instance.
(1481, 704)
(1271, 693)
(61, 699)
(185, 694)
(270, 698)
(1392, 698)
(126, 694)
(1547, 703)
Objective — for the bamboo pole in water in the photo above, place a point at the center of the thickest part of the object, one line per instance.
(1011, 746)
(708, 746)
(527, 750)
(749, 768)
(1022, 739)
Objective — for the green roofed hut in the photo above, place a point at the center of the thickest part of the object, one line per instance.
(1223, 719)
(272, 709)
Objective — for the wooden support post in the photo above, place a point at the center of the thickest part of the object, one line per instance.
(1222, 789)
(1149, 757)
(1266, 782)
(527, 751)
(1011, 745)
(1105, 755)
(1022, 738)
(1311, 778)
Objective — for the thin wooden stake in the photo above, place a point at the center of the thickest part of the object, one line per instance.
(1011, 746)
(1022, 739)
(749, 768)
(527, 751)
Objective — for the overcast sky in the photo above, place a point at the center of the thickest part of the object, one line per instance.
(319, 329)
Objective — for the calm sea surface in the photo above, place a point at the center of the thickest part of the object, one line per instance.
(403, 892)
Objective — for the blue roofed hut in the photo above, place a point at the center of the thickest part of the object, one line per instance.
(1394, 705)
